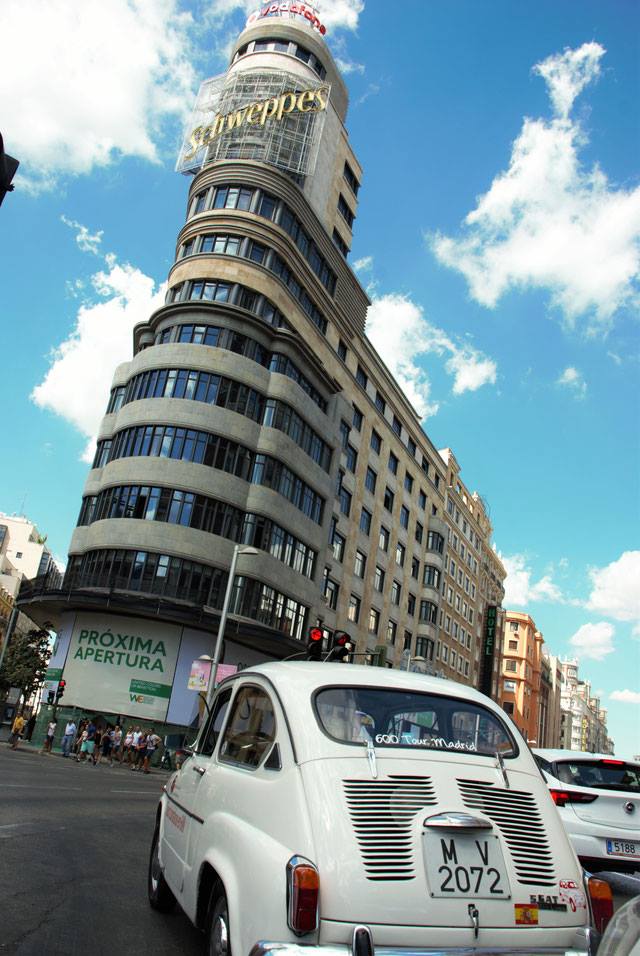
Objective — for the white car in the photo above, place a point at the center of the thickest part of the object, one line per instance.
(598, 798)
(335, 809)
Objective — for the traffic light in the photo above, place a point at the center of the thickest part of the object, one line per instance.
(60, 691)
(315, 642)
(8, 167)
(341, 646)
(51, 696)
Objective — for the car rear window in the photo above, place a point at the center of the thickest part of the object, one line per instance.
(601, 774)
(392, 718)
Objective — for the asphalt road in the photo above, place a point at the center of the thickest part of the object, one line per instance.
(74, 845)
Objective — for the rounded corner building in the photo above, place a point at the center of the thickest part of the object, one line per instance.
(255, 427)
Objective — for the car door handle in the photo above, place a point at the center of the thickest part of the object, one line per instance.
(200, 770)
(454, 821)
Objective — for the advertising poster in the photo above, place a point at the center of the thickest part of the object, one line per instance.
(199, 676)
(121, 665)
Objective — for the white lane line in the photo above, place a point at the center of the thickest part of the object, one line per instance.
(29, 786)
(150, 792)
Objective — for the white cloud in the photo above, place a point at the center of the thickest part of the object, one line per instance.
(550, 223)
(87, 241)
(519, 589)
(365, 264)
(594, 641)
(82, 83)
(616, 589)
(76, 387)
(625, 696)
(572, 379)
(398, 330)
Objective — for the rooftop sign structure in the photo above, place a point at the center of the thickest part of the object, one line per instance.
(266, 117)
(291, 11)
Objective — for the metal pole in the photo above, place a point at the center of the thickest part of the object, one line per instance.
(221, 625)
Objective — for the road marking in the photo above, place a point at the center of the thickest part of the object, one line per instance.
(152, 792)
(29, 786)
(31, 828)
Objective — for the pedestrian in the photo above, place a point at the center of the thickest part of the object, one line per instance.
(47, 745)
(98, 743)
(30, 725)
(69, 737)
(117, 744)
(141, 751)
(125, 756)
(88, 743)
(152, 745)
(16, 731)
(106, 746)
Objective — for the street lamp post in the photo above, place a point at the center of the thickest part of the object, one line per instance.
(237, 549)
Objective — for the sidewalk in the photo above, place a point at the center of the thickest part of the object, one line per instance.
(26, 746)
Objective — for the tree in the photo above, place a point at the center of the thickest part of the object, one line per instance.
(25, 663)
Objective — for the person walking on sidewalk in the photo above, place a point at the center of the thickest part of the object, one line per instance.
(16, 732)
(152, 745)
(69, 737)
(47, 746)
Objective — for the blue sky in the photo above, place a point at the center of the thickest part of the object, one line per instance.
(498, 236)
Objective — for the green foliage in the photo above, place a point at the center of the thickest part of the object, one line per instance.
(25, 662)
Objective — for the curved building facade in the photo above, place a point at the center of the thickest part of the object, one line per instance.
(255, 414)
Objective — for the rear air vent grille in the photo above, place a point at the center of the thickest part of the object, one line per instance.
(382, 813)
(515, 813)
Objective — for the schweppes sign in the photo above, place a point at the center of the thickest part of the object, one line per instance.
(273, 109)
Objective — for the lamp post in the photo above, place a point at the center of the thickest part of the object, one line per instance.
(237, 549)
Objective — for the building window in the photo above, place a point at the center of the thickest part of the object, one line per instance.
(510, 665)
(353, 611)
(408, 639)
(393, 463)
(361, 377)
(345, 211)
(342, 350)
(411, 604)
(383, 538)
(400, 554)
(378, 579)
(435, 542)
(392, 628)
(360, 564)
(338, 542)
(344, 498)
(345, 430)
(331, 591)
(411, 445)
(428, 612)
(376, 441)
(350, 177)
(357, 418)
(415, 568)
(380, 402)
(388, 498)
(425, 465)
(352, 458)
(419, 532)
(513, 645)
(365, 521)
(513, 625)
(340, 243)
(404, 517)
(408, 483)
(508, 707)
(396, 424)
(431, 576)
(396, 590)
(424, 648)
(370, 480)
(374, 621)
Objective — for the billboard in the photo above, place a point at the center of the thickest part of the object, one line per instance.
(269, 116)
(291, 10)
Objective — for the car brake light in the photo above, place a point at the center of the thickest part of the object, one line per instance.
(613, 763)
(303, 887)
(601, 902)
(562, 797)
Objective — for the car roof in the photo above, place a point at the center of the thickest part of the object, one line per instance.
(554, 756)
(315, 674)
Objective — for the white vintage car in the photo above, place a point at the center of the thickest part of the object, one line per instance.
(331, 809)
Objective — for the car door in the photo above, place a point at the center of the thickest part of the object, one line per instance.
(182, 822)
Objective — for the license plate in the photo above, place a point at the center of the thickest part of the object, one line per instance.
(465, 865)
(623, 848)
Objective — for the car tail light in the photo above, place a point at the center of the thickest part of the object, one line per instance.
(601, 902)
(303, 887)
(562, 797)
(613, 763)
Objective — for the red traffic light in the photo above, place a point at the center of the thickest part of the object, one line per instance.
(60, 691)
(315, 643)
(341, 646)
